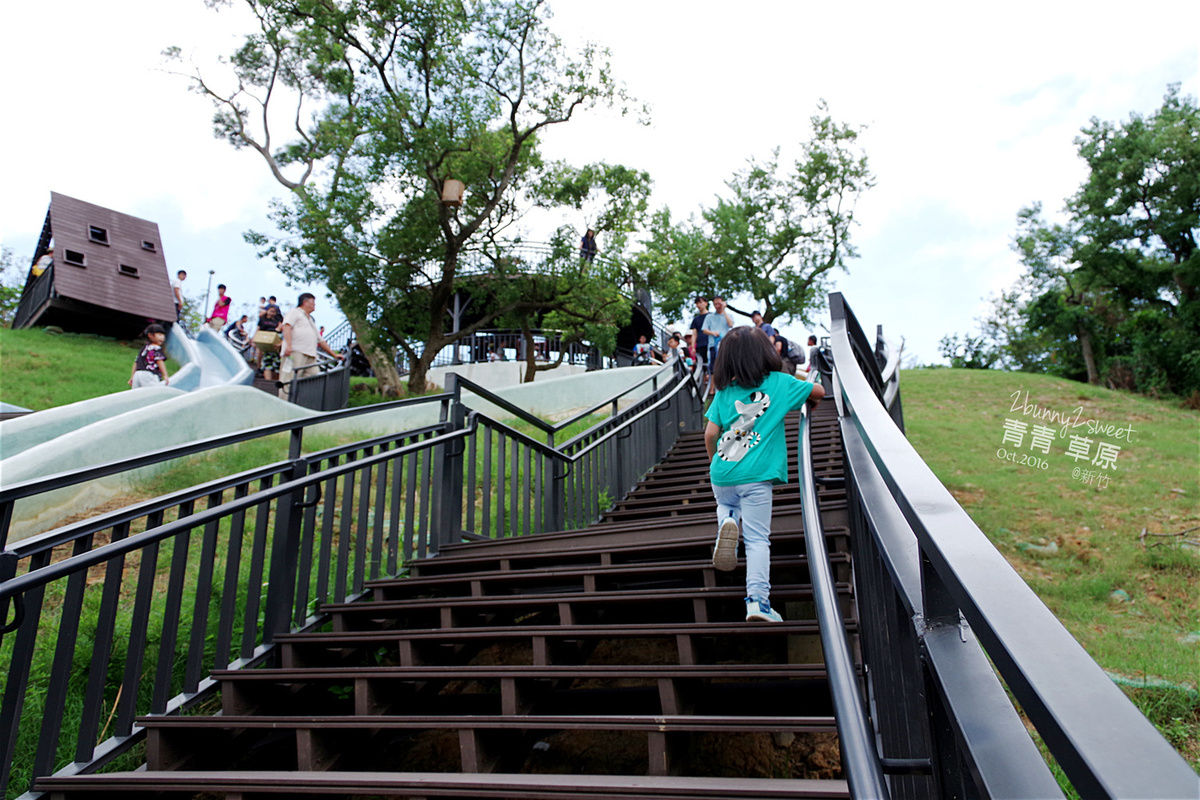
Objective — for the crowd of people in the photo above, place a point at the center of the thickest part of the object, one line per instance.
(702, 341)
(755, 372)
(758, 377)
(280, 346)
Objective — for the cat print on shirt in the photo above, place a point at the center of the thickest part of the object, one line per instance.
(736, 442)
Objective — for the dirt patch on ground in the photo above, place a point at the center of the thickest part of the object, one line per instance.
(763, 755)
(590, 752)
(968, 495)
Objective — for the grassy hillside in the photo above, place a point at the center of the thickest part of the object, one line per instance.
(1131, 600)
(39, 370)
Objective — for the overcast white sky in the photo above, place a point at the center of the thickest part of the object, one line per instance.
(971, 111)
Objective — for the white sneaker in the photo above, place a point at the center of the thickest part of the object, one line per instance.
(725, 549)
(761, 611)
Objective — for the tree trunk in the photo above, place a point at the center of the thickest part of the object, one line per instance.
(530, 353)
(383, 364)
(418, 383)
(1089, 358)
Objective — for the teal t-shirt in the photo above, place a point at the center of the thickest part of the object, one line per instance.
(752, 446)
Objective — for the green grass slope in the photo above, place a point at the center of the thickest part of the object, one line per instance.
(1077, 538)
(39, 370)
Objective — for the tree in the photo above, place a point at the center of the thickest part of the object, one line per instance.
(11, 283)
(584, 299)
(1111, 294)
(779, 237)
(406, 96)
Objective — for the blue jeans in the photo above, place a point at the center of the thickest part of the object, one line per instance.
(750, 504)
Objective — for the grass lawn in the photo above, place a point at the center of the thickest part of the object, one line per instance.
(1132, 601)
(39, 370)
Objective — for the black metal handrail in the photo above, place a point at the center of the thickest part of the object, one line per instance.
(918, 551)
(37, 291)
(860, 758)
(10, 494)
(552, 428)
(170, 591)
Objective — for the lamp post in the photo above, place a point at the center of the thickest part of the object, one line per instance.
(204, 310)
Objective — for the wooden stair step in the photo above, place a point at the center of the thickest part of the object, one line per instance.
(495, 743)
(247, 785)
(595, 578)
(788, 537)
(717, 689)
(568, 608)
(541, 644)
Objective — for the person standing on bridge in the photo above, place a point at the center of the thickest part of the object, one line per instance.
(748, 454)
(587, 246)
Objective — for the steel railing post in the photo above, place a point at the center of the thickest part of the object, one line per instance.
(448, 472)
(285, 548)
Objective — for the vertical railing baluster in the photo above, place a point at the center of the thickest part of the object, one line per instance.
(17, 681)
(486, 496)
(170, 624)
(540, 495)
(514, 474)
(229, 591)
(281, 583)
(325, 565)
(251, 629)
(396, 508)
(501, 493)
(102, 648)
(341, 586)
(377, 554)
(410, 501)
(139, 624)
(362, 535)
(469, 494)
(204, 580)
(427, 515)
(526, 490)
(307, 549)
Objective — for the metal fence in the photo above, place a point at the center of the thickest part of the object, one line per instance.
(495, 345)
(127, 613)
(37, 292)
(939, 606)
(324, 387)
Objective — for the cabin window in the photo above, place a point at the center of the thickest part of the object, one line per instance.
(97, 234)
(125, 269)
(149, 246)
(75, 257)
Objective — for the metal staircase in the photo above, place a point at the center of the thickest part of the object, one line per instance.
(611, 662)
(415, 616)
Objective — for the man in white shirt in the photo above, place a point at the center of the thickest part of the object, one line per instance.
(813, 349)
(716, 325)
(177, 288)
(300, 343)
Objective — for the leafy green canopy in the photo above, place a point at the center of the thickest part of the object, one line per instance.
(779, 236)
(388, 101)
(1111, 294)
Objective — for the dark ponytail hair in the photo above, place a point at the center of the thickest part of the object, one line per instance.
(745, 357)
(155, 328)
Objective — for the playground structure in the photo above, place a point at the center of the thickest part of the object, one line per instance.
(109, 274)
(340, 605)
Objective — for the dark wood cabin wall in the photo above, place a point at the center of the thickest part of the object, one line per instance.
(100, 282)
